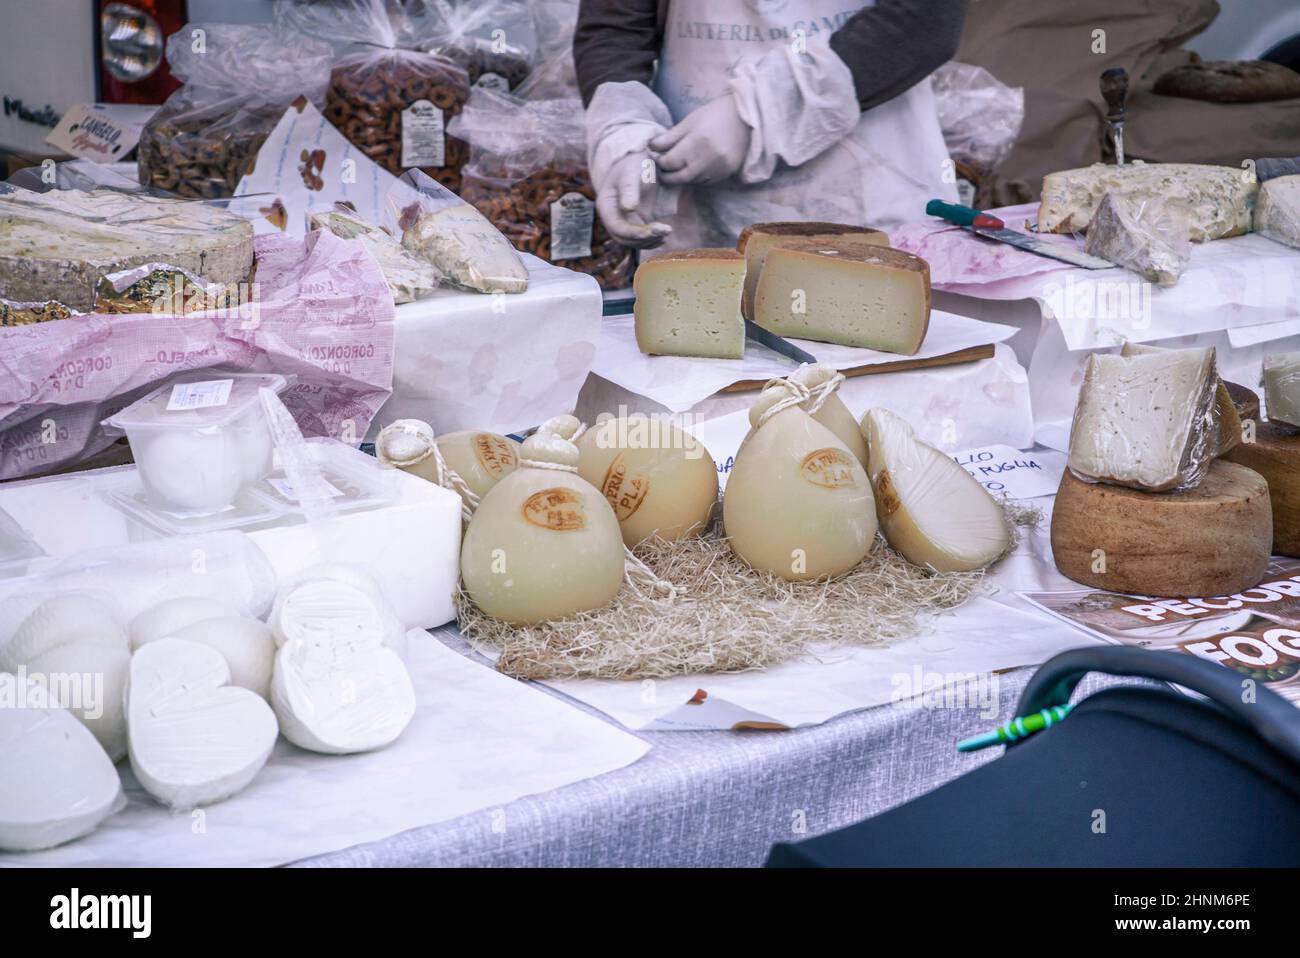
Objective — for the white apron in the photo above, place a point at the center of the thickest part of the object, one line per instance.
(881, 174)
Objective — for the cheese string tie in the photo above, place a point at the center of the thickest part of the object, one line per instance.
(812, 399)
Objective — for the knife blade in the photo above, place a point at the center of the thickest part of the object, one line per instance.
(990, 227)
(775, 343)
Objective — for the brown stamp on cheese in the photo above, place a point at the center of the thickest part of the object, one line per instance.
(828, 468)
(494, 453)
(625, 491)
(887, 500)
(560, 510)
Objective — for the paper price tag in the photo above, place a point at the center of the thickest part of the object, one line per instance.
(200, 395)
(1005, 471)
(100, 132)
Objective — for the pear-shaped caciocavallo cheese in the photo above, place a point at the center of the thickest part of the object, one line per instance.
(931, 510)
(797, 503)
(659, 480)
(828, 408)
(543, 543)
(480, 458)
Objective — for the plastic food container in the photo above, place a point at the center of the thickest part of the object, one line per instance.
(200, 439)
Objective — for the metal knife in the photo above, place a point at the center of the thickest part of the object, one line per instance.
(990, 227)
(775, 343)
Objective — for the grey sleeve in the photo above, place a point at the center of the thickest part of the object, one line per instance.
(894, 45)
(616, 41)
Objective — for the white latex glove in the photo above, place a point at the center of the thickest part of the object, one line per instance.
(709, 145)
(625, 194)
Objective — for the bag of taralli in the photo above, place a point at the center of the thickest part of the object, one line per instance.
(239, 79)
(544, 543)
(387, 94)
(798, 503)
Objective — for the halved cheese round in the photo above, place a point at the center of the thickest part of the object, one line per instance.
(335, 600)
(71, 617)
(169, 617)
(245, 644)
(931, 510)
(339, 696)
(194, 738)
(1212, 540)
(89, 679)
(659, 480)
(58, 784)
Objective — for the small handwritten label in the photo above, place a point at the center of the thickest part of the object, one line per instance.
(1005, 471)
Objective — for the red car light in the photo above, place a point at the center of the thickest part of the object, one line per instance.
(132, 37)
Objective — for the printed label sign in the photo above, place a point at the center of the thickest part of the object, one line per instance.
(423, 139)
(560, 510)
(201, 395)
(572, 218)
(1004, 471)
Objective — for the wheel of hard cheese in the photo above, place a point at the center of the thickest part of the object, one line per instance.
(1211, 540)
(1275, 455)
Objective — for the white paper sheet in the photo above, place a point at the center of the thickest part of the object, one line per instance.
(680, 382)
(479, 740)
(503, 363)
(1004, 471)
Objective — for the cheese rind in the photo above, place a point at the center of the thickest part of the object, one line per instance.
(1282, 388)
(851, 294)
(58, 245)
(688, 304)
(1277, 212)
(931, 510)
(1146, 421)
(756, 240)
(1218, 201)
(1275, 455)
(1214, 539)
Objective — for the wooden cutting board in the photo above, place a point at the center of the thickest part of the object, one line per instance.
(968, 355)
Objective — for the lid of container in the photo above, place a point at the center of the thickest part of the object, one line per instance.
(197, 401)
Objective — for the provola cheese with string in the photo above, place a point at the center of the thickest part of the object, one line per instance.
(825, 405)
(931, 509)
(660, 480)
(798, 503)
(477, 457)
(543, 543)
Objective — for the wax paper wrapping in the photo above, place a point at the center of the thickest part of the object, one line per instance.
(680, 382)
(478, 741)
(322, 313)
(1247, 285)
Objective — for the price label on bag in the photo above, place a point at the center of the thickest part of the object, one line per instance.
(572, 218)
(423, 139)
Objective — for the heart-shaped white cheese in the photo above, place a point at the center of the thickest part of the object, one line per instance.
(194, 739)
(56, 782)
(337, 696)
(335, 601)
(167, 618)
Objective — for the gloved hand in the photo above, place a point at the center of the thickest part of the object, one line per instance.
(709, 145)
(627, 191)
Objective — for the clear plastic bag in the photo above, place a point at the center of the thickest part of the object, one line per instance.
(499, 61)
(1149, 236)
(555, 75)
(239, 79)
(980, 116)
(405, 75)
(528, 175)
(455, 237)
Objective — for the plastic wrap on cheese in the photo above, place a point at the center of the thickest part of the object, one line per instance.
(1146, 421)
(410, 277)
(1277, 212)
(1147, 236)
(1282, 388)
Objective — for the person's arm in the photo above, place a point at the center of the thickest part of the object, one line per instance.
(616, 41)
(892, 46)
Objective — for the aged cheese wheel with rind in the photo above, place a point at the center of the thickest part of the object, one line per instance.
(1275, 455)
(58, 245)
(1212, 540)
